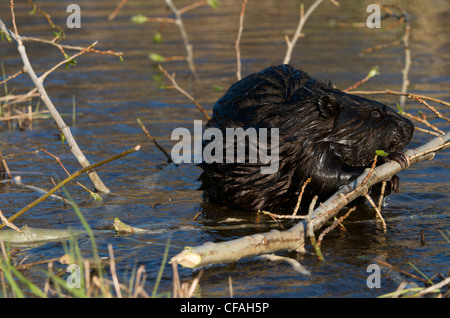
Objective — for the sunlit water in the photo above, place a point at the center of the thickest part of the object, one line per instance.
(163, 198)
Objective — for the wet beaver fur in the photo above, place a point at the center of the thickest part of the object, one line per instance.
(324, 134)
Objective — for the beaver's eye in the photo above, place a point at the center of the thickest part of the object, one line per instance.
(376, 114)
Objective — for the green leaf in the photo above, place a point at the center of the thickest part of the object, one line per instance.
(139, 18)
(57, 34)
(213, 3)
(381, 153)
(155, 57)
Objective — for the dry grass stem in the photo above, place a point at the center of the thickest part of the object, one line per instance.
(184, 36)
(298, 32)
(112, 266)
(8, 223)
(402, 271)
(380, 199)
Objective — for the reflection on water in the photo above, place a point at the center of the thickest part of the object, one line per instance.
(149, 193)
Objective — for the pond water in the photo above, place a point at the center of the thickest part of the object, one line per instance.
(149, 193)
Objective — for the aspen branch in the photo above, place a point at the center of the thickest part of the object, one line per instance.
(294, 238)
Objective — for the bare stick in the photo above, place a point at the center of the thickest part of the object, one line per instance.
(405, 72)
(182, 91)
(423, 121)
(5, 221)
(284, 216)
(372, 203)
(4, 165)
(238, 40)
(47, 16)
(117, 10)
(157, 145)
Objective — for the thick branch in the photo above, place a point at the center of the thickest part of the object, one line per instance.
(294, 238)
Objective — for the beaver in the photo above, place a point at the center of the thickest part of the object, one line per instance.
(324, 134)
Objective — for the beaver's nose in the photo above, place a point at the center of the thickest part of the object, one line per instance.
(408, 128)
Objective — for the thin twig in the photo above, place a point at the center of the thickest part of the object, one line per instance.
(408, 95)
(187, 45)
(47, 16)
(284, 216)
(299, 199)
(380, 199)
(99, 185)
(298, 32)
(112, 265)
(377, 211)
(182, 91)
(402, 271)
(157, 145)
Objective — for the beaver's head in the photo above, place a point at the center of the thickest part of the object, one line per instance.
(362, 126)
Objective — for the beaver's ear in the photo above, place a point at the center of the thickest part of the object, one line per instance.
(328, 106)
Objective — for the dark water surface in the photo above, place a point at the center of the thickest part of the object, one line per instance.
(148, 193)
